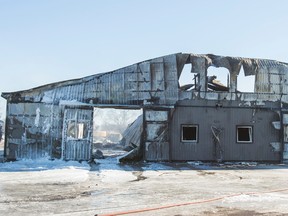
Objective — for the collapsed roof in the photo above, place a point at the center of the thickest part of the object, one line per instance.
(156, 82)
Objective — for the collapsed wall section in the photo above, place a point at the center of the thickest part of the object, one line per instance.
(270, 76)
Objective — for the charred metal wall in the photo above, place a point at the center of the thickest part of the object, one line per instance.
(285, 134)
(35, 116)
(224, 117)
(36, 130)
(33, 130)
(156, 136)
(150, 82)
(77, 133)
(155, 82)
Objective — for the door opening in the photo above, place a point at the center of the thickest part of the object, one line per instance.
(110, 129)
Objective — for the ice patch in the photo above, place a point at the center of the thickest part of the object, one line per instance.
(156, 166)
(250, 198)
(116, 176)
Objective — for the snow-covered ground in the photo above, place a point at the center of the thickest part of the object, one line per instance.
(29, 165)
(45, 187)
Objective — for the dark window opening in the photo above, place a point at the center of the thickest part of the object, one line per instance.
(189, 133)
(244, 134)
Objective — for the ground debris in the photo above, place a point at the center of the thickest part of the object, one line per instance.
(139, 176)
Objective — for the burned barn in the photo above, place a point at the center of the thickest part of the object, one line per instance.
(203, 120)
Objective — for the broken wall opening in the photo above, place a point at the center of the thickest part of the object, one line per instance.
(109, 127)
(188, 80)
(218, 79)
(245, 83)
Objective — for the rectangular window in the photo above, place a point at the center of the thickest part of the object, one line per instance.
(244, 134)
(189, 133)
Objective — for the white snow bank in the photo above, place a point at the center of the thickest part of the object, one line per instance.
(41, 164)
(44, 171)
(55, 176)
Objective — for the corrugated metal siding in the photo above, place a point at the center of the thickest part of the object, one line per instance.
(132, 85)
(56, 121)
(133, 134)
(263, 135)
(226, 119)
(29, 136)
(76, 151)
(156, 135)
(71, 92)
(72, 148)
(203, 150)
(157, 78)
(285, 136)
(155, 82)
(272, 80)
(171, 79)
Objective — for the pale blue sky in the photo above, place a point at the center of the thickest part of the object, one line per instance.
(44, 41)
